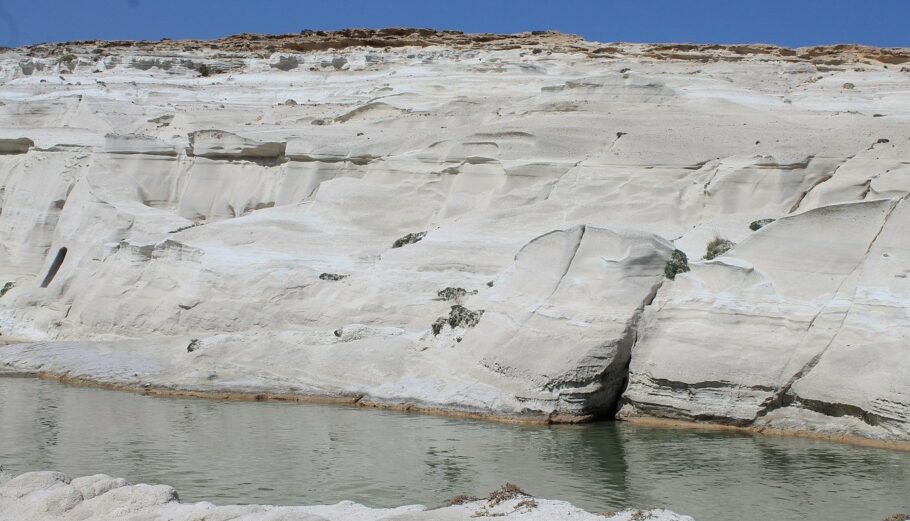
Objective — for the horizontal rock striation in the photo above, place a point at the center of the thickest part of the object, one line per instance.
(527, 226)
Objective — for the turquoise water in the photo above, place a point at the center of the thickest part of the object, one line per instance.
(281, 453)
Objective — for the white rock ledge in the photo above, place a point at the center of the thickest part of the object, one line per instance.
(51, 496)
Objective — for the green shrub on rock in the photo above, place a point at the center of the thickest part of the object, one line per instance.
(759, 224)
(453, 293)
(677, 264)
(331, 276)
(459, 316)
(410, 238)
(462, 316)
(718, 247)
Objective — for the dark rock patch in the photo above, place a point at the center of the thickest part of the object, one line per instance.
(410, 238)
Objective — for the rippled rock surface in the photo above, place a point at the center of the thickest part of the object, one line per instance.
(292, 208)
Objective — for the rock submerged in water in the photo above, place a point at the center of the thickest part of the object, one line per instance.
(588, 194)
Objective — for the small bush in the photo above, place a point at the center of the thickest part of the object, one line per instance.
(462, 316)
(505, 493)
(526, 503)
(453, 293)
(438, 325)
(459, 316)
(677, 264)
(759, 224)
(718, 247)
(6, 287)
(331, 276)
(193, 345)
(898, 517)
(410, 238)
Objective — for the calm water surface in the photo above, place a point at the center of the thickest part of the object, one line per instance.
(278, 453)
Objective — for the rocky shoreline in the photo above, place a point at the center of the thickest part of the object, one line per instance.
(51, 496)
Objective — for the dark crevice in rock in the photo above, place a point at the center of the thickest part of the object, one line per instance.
(706, 384)
(838, 410)
(663, 411)
(55, 267)
(613, 380)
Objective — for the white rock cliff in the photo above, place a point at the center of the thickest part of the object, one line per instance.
(472, 223)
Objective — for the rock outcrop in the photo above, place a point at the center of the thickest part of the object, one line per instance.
(51, 496)
(528, 226)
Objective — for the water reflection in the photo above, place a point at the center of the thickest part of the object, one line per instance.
(243, 452)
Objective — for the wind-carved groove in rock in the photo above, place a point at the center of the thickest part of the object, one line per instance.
(820, 180)
(222, 145)
(839, 410)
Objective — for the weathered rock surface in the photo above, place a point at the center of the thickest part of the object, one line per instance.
(296, 207)
(51, 496)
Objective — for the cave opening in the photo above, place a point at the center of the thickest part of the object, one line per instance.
(55, 267)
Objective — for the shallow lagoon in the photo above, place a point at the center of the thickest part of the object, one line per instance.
(283, 453)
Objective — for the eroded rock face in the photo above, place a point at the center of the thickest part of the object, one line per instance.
(500, 225)
(776, 332)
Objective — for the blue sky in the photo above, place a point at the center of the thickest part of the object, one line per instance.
(784, 22)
